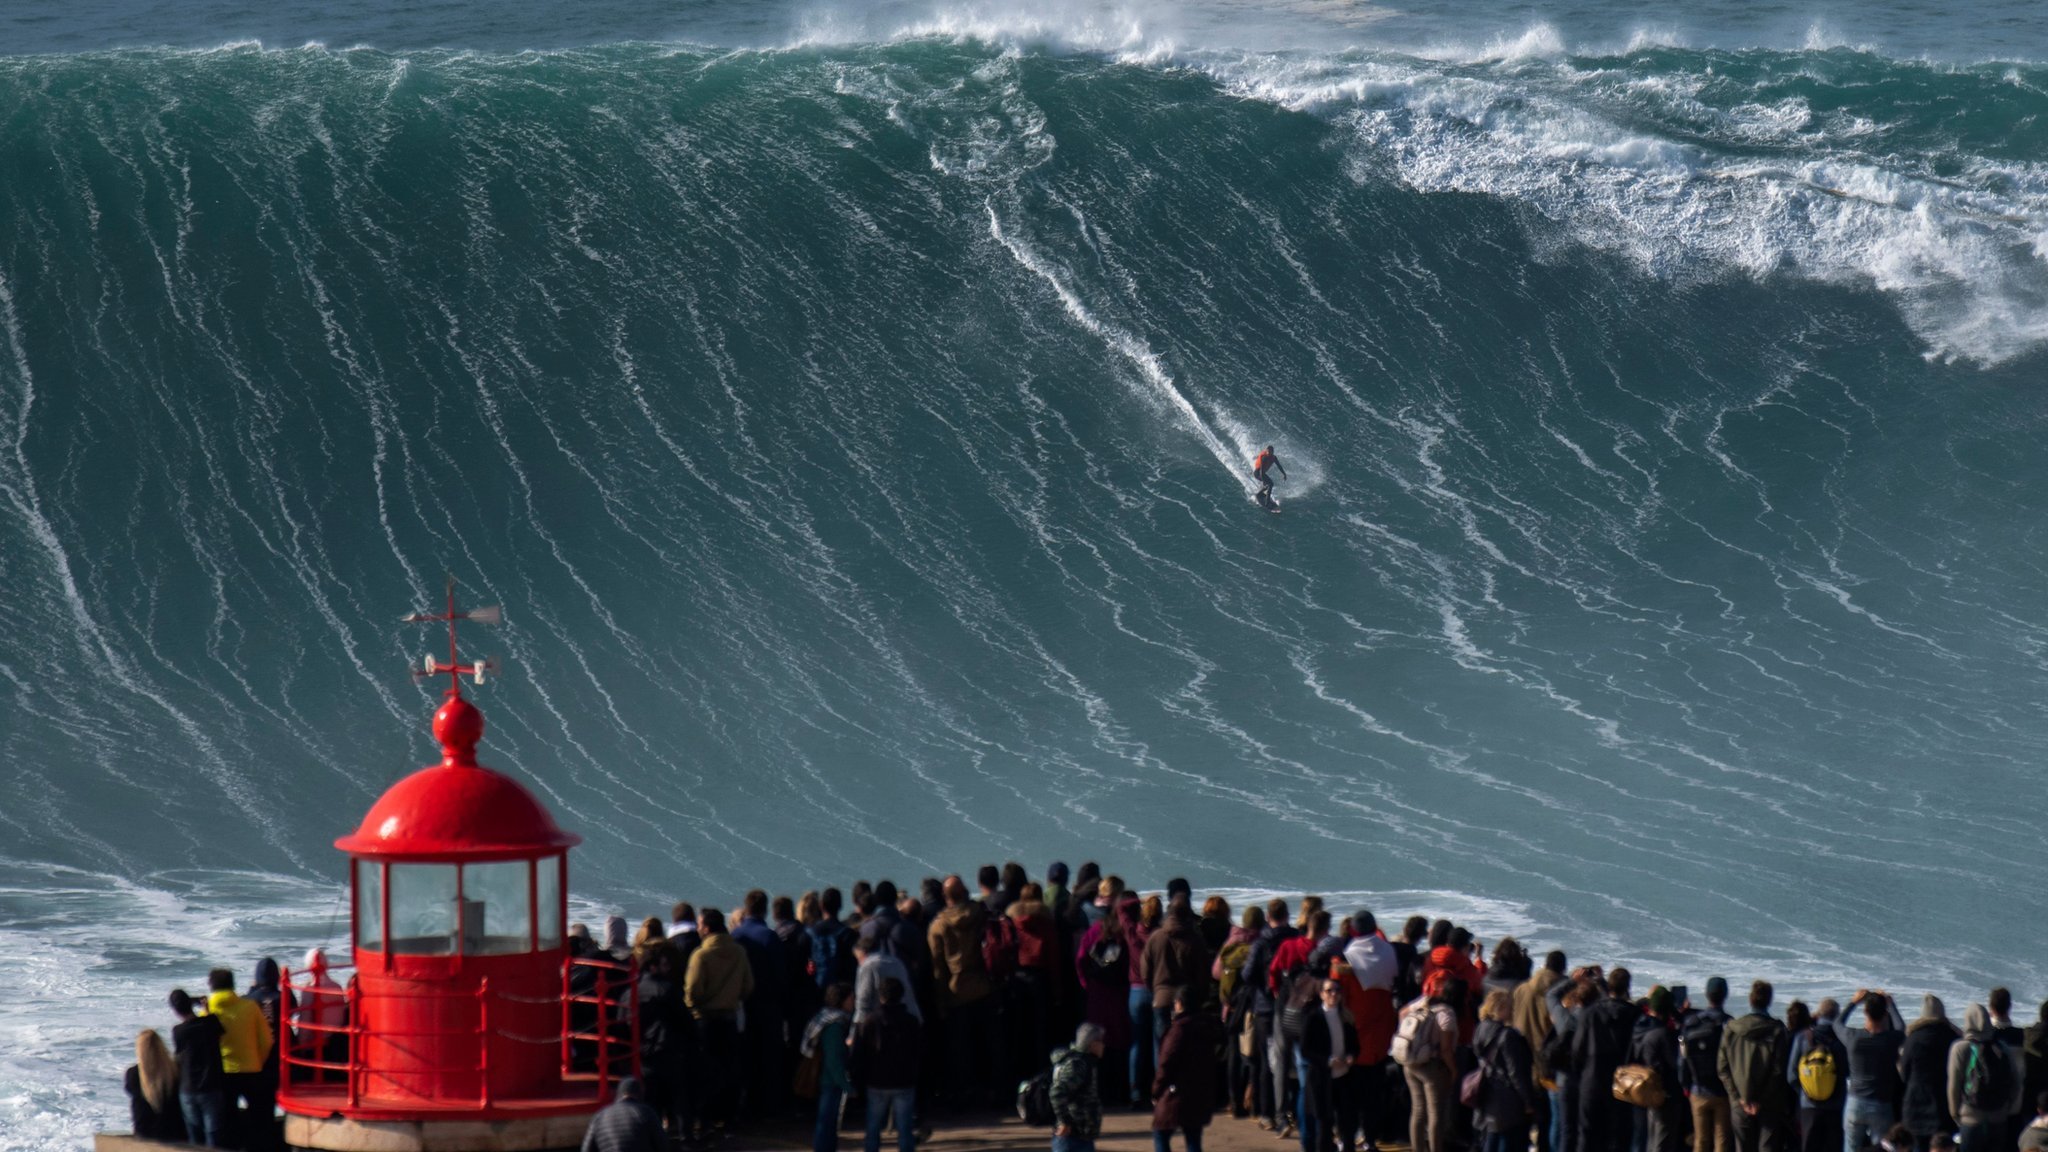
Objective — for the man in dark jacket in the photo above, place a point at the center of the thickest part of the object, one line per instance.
(1174, 958)
(1753, 1054)
(627, 1124)
(1873, 1067)
(1655, 1045)
(965, 996)
(1923, 1065)
(1257, 969)
(1699, 1071)
(665, 1040)
(886, 1052)
(763, 1042)
(1599, 1044)
(2034, 1044)
(831, 944)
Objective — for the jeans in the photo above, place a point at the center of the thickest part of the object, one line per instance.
(1988, 1136)
(825, 1133)
(206, 1117)
(1264, 1103)
(1162, 1019)
(1163, 1141)
(1141, 1043)
(1496, 1142)
(1554, 1132)
(1072, 1144)
(902, 1102)
(1864, 1122)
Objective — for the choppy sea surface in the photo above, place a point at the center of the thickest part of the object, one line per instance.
(851, 408)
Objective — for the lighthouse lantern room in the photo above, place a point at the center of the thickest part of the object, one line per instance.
(464, 1004)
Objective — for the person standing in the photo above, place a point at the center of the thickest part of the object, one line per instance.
(1076, 1095)
(1817, 1076)
(202, 1085)
(875, 966)
(1032, 986)
(964, 993)
(244, 1047)
(1753, 1052)
(152, 1086)
(764, 1042)
(1599, 1044)
(1184, 1079)
(1699, 1045)
(826, 1038)
(665, 1040)
(1531, 1017)
(1425, 1046)
(1175, 957)
(1983, 1079)
(1923, 1065)
(1268, 1099)
(1656, 1046)
(885, 1056)
(1873, 1068)
(718, 982)
(1508, 1096)
(1324, 1052)
(2015, 1040)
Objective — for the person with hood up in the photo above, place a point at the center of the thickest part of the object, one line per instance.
(319, 1011)
(616, 943)
(245, 1045)
(1983, 1079)
(2034, 1137)
(1599, 1045)
(1751, 1063)
(1184, 1082)
(1102, 966)
(1655, 1045)
(1452, 952)
(1371, 968)
(1923, 1065)
(1508, 1093)
(1076, 1095)
(627, 1124)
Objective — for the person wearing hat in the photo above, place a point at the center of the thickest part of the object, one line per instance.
(627, 1124)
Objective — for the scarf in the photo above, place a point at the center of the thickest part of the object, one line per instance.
(825, 1018)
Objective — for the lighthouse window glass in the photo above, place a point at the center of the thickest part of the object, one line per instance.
(423, 909)
(496, 919)
(548, 884)
(369, 906)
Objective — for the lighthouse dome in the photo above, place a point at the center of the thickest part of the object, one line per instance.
(457, 809)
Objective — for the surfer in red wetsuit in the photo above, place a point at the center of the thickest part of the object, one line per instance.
(1262, 466)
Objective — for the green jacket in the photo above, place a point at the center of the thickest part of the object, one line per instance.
(1075, 1101)
(1752, 1062)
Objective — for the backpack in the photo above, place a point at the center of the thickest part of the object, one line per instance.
(1034, 1100)
(1987, 1078)
(1299, 991)
(1416, 1038)
(1699, 1046)
(1819, 1074)
(832, 957)
(999, 942)
(1107, 953)
(1231, 962)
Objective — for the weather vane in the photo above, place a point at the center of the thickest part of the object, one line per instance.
(453, 667)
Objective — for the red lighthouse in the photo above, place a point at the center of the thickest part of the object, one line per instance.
(459, 1017)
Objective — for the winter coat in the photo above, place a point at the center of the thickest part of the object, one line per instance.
(1600, 1043)
(1105, 990)
(1753, 1052)
(1214, 930)
(878, 969)
(196, 1044)
(664, 1020)
(1455, 965)
(245, 1040)
(887, 1049)
(1175, 957)
(955, 942)
(764, 955)
(625, 1126)
(1509, 1094)
(720, 978)
(1037, 936)
(1977, 1031)
(2034, 1138)
(1076, 1101)
(1258, 966)
(164, 1121)
(1184, 1085)
(831, 943)
(1923, 1062)
(1656, 1045)
(1531, 1017)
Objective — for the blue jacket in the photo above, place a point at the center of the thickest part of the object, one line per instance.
(764, 956)
(1823, 1034)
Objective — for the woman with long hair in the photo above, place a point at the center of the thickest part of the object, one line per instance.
(1228, 971)
(1103, 965)
(152, 1084)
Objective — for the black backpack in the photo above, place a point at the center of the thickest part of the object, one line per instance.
(1699, 1045)
(1987, 1077)
(1298, 998)
(1034, 1100)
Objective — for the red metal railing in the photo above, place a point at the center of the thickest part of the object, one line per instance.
(615, 1034)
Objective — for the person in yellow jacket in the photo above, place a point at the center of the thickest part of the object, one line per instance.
(245, 1042)
(718, 982)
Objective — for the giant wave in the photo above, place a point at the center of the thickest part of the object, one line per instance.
(856, 434)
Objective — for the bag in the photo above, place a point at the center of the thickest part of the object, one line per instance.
(1700, 1047)
(1230, 962)
(1473, 1087)
(804, 1085)
(1987, 1078)
(999, 942)
(1415, 1037)
(1244, 1035)
(1639, 1084)
(1299, 995)
(1818, 1073)
(1034, 1100)
(1106, 954)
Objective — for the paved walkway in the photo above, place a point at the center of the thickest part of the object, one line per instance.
(1121, 1132)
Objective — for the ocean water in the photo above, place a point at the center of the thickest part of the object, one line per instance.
(851, 408)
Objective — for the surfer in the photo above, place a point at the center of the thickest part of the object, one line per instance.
(1262, 467)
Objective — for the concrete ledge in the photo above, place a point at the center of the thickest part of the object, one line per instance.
(539, 1134)
(123, 1142)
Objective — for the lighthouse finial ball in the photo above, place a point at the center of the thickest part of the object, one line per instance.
(458, 726)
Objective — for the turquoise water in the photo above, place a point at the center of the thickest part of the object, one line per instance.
(852, 415)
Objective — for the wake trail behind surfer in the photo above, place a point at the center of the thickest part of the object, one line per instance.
(1262, 467)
